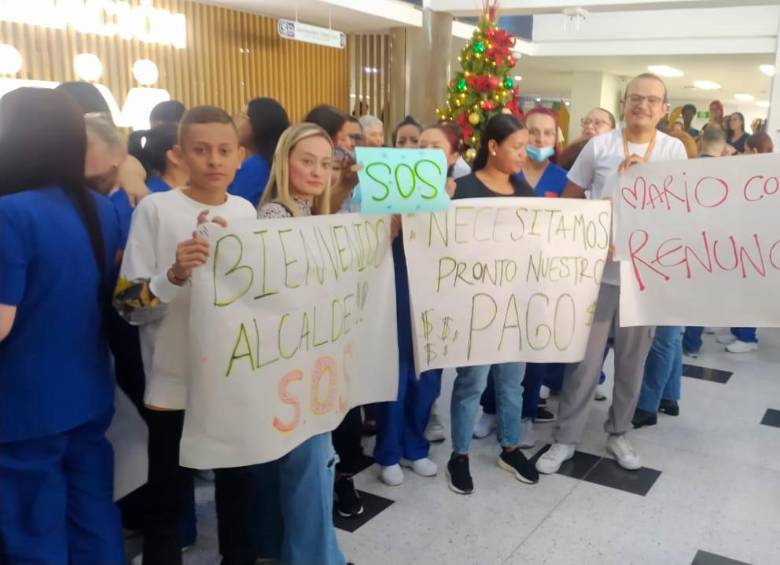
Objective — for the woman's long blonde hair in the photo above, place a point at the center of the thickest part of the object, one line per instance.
(278, 187)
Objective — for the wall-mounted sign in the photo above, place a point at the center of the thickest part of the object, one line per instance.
(311, 34)
(110, 18)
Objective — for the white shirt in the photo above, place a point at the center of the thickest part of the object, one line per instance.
(596, 170)
(160, 222)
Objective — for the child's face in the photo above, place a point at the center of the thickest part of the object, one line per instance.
(211, 155)
(310, 166)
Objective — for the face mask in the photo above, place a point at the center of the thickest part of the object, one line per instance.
(539, 154)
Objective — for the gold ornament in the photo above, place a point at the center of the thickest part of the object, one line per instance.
(474, 118)
(471, 154)
(473, 140)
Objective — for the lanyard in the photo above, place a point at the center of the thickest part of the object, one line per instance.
(648, 151)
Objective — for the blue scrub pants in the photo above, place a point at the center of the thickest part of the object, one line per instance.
(692, 339)
(663, 369)
(56, 499)
(296, 496)
(400, 425)
(748, 335)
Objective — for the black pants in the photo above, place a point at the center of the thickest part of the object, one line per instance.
(170, 485)
(346, 442)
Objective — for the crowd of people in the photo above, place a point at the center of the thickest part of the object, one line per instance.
(98, 240)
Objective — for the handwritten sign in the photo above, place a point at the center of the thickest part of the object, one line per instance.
(505, 279)
(700, 243)
(402, 181)
(292, 323)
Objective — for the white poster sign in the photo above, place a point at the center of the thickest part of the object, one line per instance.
(129, 437)
(699, 242)
(292, 323)
(505, 279)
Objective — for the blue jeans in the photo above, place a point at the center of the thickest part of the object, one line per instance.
(400, 425)
(296, 493)
(467, 389)
(748, 335)
(535, 374)
(56, 499)
(663, 369)
(692, 339)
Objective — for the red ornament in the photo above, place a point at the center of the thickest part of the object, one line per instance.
(491, 33)
(487, 105)
(493, 83)
(510, 61)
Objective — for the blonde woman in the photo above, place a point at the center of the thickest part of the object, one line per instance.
(299, 186)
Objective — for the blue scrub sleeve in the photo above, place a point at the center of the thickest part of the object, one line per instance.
(14, 258)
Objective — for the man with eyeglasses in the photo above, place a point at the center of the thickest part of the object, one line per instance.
(355, 132)
(595, 175)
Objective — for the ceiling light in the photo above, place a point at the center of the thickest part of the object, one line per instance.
(145, 72)
(10, 60)
(538, 99)
(665, 71)
(371, 70)
(88, 67)
(518, 78)
(706, 85)
(744, 97)
(768, 70)
(762, 103)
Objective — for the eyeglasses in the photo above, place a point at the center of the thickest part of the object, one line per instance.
(637, 99)
(356, 137)
(586, 122)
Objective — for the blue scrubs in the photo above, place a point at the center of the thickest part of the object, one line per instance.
(251, 179)
(552, 182)
(400, 425)
(56, 388)
(157, 184)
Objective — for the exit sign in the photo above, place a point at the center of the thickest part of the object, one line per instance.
(704, 115)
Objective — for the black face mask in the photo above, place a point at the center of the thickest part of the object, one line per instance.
(450, 171)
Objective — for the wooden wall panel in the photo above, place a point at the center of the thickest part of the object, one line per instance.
(230, 57)
(369, 91)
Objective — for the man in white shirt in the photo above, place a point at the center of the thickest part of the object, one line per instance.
(595, 175)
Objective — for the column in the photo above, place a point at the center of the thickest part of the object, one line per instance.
(773, 119)
(593, 90)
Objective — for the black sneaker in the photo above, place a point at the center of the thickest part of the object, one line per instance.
(346, 498)
(516, 463)
(644, 418)
(669, 407)
(544, 415)
(458, 475)
(542, 402)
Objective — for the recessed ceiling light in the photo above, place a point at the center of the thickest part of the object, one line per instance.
(371, 70)
(706, 85)
(762, 103)
(518, 77)
(768, 70)
(538, 99)
(744, 97)
(665, 71)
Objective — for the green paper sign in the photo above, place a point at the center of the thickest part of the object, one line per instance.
(703, 115)
(402, 181)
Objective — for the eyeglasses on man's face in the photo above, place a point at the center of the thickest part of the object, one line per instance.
(587, 122)
(637, 99)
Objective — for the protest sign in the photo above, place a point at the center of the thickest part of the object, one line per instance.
(400, 181)
(505, 279)
(699, 242)
(292, 323)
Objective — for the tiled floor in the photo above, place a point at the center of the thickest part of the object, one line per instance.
(708, 494)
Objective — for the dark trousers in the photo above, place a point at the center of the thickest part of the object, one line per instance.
(346, 442)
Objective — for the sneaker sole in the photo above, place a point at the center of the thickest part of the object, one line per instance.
(455, 489)
(347, 515)
(507, 467)
(545, 420)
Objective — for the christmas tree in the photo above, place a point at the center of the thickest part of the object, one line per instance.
(484, 86)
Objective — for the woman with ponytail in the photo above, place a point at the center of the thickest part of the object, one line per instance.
(58, 240)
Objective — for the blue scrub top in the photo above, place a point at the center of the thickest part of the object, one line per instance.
(157, 184)
(55, 373)
(251, 179)
(552, 183)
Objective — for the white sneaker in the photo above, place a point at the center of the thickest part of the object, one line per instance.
(620, 447)
(485, 425)
(137, 560)
(423, 467)
(742, 347)
(392, 475)
(527, 437)
(434, 432)
(725, 339)
(544, 392)
(601, 392)
(556, 456)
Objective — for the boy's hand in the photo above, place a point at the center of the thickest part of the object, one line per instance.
(190, 254)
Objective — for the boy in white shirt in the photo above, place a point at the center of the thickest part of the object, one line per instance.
(595, 175)
(153, 292)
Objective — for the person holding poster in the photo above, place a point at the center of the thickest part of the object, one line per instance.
(301, 483)
(595, 174)
(500, 158)
(153, 292)
(401, 425)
